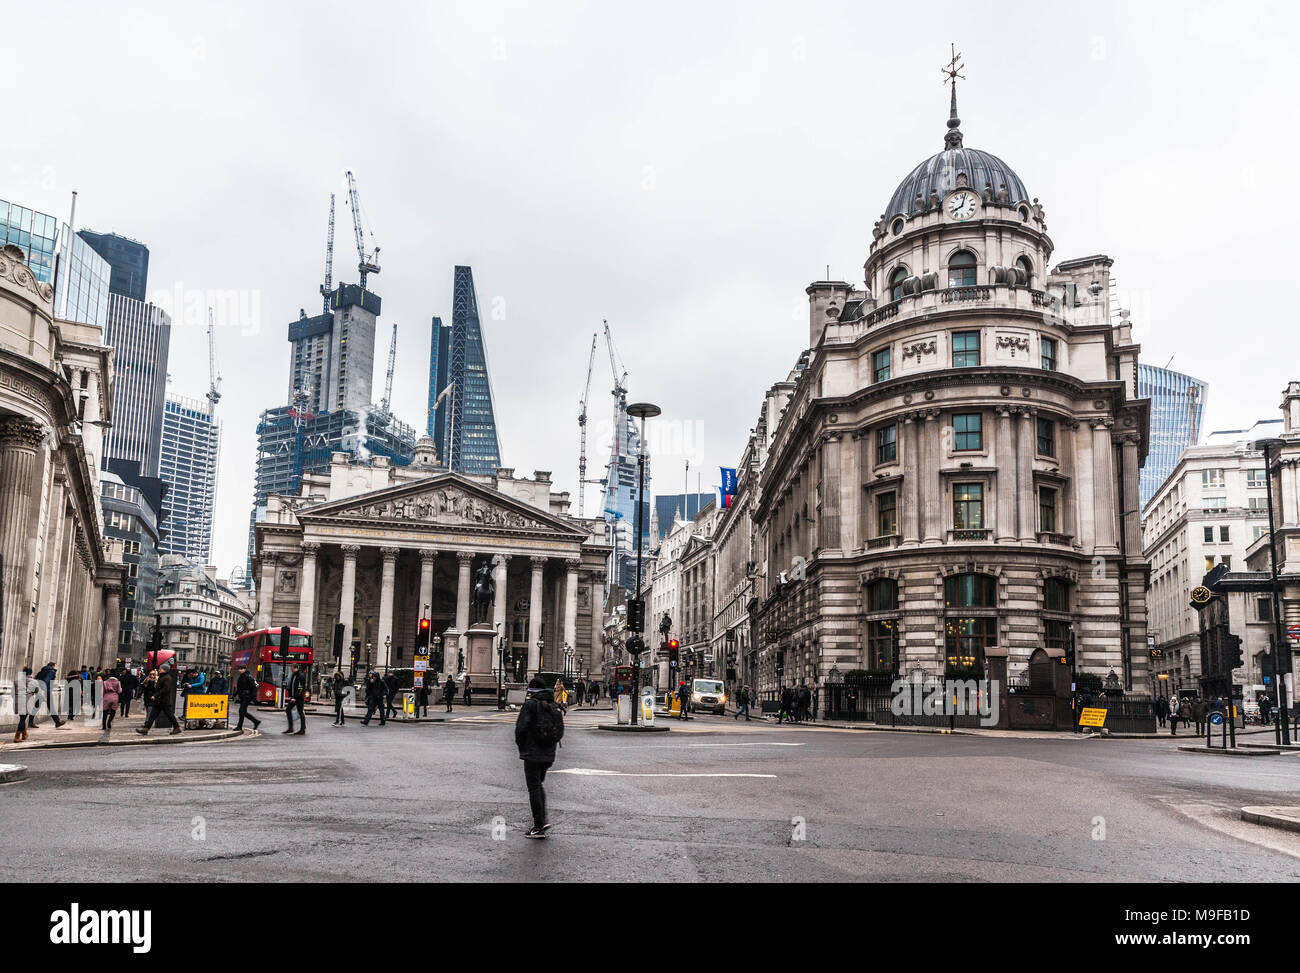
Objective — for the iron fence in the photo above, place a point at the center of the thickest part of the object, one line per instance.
(874, 703)
(1124, 714)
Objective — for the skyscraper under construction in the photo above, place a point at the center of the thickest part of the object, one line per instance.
(471, 426)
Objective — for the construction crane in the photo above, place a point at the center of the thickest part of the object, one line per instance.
(366, 263)
(620, 378)
(582, 426)
(214, 380)
(388, 379)
(328, 286)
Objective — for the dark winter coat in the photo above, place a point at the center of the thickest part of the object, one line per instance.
(449, 691)
(531, 748)
(297, 688)
(375, 689)
(246, 688)
(129, 684)
(164, 694)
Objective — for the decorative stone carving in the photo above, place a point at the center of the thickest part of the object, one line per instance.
(350, 551)
(918, 348)
(17, 432)
(310, 548)
(427, 556)
(13, 268)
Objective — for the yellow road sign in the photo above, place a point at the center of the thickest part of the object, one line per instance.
(206, 707)
(1092, 717)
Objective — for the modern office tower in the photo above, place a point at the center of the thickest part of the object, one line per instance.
(619, 499)
(1177, 405)
(439, 376)
(474, 446)
(672, 507)
(191, 442)
(333, 356)
(81, 276)
(135, 517)
(128, 258)
(140, 335)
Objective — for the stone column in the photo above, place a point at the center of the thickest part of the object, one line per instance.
(1006, 479)
(535, 613)
(266, 590)
(1068, 449)
(347, 596)
(112, 616)
(465, 565)
(931, 482)
(307, 598)
(1131, 523)
(1085, 529)
(383, 637)
(1287, 505)
(501, 578)
(19, 441)
(427, 558)
(570, 606)
(1103, 481)
(910, 494)
(1026, 445)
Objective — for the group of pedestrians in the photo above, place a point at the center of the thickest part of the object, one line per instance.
(797, 704)
(1187, 710)
(114, 688)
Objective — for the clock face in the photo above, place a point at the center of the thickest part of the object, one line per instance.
(962, 205)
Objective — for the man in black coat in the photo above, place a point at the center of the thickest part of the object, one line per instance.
(126, 679)
(376, 693)
(535, 736)
(295, 695)
(390, 689)
(164, 702)
(246, 693)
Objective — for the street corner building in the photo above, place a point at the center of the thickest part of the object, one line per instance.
(60, 591)
(951, 470)
(375, 547)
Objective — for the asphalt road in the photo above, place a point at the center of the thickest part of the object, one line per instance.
(711, 800)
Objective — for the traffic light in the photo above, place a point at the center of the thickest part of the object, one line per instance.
(674, 653)
(1232, 658)
(1069, 651)
(635, 615)
(422, 637)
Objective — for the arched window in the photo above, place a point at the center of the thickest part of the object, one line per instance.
(961, 269)
(896, 283)
(970, 591)
(1026, 271)
(1057, 632)
(882, 633)
(882, 595)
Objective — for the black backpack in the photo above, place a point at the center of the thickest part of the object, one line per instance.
(548, 726)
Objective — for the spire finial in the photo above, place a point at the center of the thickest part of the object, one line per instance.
(952, 140)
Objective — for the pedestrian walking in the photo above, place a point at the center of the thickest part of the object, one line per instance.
(390, 693)
(805, 703)
(469, 692)
(376, 695)
(340, 689)
(111, 692)
(1200, 711)
(129, 683)
(295, 696)
(1174, 711)
(560, 695)
(246, 694)
(580, 691)
(742, 703)
(31, 690)
(449, 692)
(422, 697)
(786, 704)
(538, 730)
(1162, 710)
(164, 701)
(683, 701)
(812, 715)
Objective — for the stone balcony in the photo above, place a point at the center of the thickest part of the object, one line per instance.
(994, 297)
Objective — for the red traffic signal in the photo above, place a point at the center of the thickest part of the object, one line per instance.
(424, 625)
(673, 652)
(422, 636)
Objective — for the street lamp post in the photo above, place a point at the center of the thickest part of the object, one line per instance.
(636, 644)
(1281, 649)
(501, 668)
(541, 644)
(388, 650)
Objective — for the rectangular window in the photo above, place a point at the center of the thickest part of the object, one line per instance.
(887, 514)
(880, 363)
(887, 444)
(1226, 561)
(965, 349)
(1224, 533)
(1214, 504)
(1047, 509)
(1255, 478)
(1209, 563)
(1047, 346)
(968, 506)
(1212, 479)
(1046, 437)
(1259, 532)
(1208, 534)
(1264, 609)
(967, 432)
(1259, 503)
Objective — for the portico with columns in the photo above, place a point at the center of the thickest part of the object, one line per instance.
(377, 561)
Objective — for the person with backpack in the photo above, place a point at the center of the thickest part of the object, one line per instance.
(376, 693)
(742, 703)
(539, 728)
(112, 691)
(449, 692)
(340, 688)
(245, 693)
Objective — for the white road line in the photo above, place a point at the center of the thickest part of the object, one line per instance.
(746, 744)
(589, 772)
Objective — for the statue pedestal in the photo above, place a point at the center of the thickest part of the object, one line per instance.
(480, 656)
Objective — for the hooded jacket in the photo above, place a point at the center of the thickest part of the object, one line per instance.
(531, 748)
(164, 694)
(112, 690)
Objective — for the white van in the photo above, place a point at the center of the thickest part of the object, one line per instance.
(709, 694)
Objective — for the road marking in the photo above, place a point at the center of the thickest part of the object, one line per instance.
(746, 744)
(589, 772)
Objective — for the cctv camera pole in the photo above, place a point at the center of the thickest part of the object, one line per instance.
(1282, 649)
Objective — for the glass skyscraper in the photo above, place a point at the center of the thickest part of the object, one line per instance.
(33, 233)
(140, 335)
(474, 446)
(83, 276)
(191, 442)
(1177, 405)
(128, 258)
(439, 368)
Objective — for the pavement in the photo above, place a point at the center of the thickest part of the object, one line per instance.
(714, 800)
(86, 732)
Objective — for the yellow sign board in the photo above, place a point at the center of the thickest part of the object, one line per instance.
(1092, 717)
(207, 707)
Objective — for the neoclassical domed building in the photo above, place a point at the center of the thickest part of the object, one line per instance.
(955, 472)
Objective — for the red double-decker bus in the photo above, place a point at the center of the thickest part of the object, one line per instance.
(267, 662)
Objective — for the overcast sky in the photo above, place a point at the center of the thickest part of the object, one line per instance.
(682, 169)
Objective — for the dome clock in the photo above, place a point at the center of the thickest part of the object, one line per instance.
(962, 205)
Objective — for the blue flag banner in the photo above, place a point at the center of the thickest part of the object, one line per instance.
(728, 480)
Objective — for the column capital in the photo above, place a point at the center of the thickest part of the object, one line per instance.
(269, 557)
(464, 556)
(390, 553)
(572, 563)
(427, 556)
(350, 551)
(537, 561)
(1004, 411)
(310, 548)
(1100, 424)
(20, 433)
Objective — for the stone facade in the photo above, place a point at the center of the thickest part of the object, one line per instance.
(62, 594)
(375, 547)
(956, 467)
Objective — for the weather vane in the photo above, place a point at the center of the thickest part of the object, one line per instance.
(953, 140)
(952, 68)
